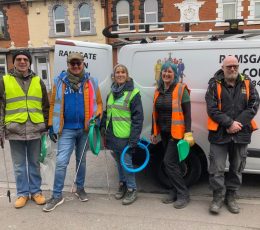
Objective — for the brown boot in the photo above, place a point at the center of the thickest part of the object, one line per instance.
(21, 201)
(39, 199)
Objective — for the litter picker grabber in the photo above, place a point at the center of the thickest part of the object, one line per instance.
(7, 179)
(108, 185)
(73, 189)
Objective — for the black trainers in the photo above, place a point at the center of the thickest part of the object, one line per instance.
(181, 202)
(52, 203)
(130, 197)
(171, 197)
(121, 191)
(82, 195)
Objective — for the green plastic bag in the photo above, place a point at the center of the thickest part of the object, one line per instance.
(183, 149)
(43, 148)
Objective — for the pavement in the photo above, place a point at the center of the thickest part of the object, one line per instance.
(102, 211)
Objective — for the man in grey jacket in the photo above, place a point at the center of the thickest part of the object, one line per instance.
(24, 117)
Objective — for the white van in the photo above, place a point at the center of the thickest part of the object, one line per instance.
(198, 60)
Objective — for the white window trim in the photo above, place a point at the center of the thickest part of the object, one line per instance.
(219, 11)
(88, 19)
(59, 20)
(149, 13)
(84, 19)
(128, 21)
(251, 9)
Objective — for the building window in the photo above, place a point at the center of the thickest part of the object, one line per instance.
(151, 11)
(229, 9)
(254, 12)
(257, 10)
(122, 12)
(3, 67)
(2, 24)
(58, 20)
(84, 18)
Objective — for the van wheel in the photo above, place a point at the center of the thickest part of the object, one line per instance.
(191, 168)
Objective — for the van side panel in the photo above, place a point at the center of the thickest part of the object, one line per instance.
(198, 61)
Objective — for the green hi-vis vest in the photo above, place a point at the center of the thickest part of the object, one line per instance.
(118, 111)
(19, 105)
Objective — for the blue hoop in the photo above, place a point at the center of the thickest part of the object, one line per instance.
(142, 146)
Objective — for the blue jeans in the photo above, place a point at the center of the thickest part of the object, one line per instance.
(124, 176)
(25, 157)
(70, 139)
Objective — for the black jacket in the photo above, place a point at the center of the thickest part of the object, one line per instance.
(117, 144)
(235, 107)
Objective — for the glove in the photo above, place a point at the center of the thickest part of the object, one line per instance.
(52, 135)
(189, 138)
(2, 141)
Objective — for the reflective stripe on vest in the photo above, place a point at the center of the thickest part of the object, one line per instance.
(118, 111)
(177, 123)
(212, 125)
(19, 105)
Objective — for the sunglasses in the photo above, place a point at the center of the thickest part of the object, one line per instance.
(235, 67)
(74, 63)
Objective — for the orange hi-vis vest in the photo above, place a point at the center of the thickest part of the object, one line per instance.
(212, 125)
(177, 124)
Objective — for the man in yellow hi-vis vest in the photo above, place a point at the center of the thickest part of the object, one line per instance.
(232, 102)
(24, 118)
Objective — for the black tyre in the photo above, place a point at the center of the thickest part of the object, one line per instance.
(191, 168)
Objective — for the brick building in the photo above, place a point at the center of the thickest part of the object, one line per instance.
(153, 11)
(13, 30)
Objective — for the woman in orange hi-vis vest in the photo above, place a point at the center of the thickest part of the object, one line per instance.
(232, 102)
(172, 120)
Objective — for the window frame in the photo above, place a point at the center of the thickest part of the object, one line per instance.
(220, 12)
(52, 25)
(255, 2)
(56, 21)
(118, 15)
(230, 3)
(150, 13)
(84, 18)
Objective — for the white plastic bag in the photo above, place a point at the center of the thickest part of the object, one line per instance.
(48, 165)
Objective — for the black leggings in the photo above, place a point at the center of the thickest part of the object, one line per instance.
(173, 165)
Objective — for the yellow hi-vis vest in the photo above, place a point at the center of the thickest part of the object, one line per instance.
(19, 105)
(118, 111)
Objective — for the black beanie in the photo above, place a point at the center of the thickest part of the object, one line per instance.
(23, 52)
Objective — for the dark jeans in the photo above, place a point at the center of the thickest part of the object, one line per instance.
(237, 154)
(173, 166)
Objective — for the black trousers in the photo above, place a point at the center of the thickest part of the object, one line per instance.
(173, 165)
